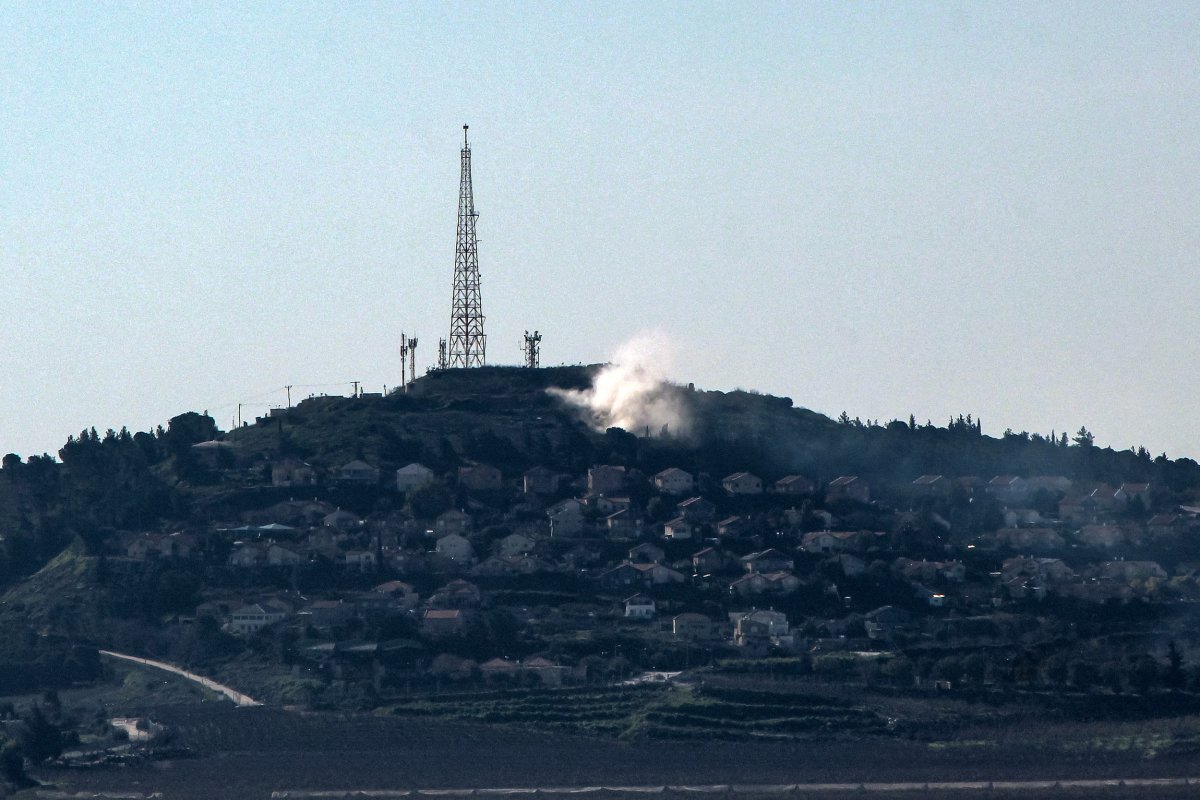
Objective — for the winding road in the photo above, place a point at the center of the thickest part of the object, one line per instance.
(208, 683)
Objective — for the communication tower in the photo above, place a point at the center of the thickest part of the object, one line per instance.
(412, 362)
(533, 349)
(441, 361)
(468, 344)
(403, 361)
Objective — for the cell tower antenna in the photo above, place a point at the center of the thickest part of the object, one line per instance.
(403, 358)
(468, 344)
(412, 361)
(441, 361)
(533, 349)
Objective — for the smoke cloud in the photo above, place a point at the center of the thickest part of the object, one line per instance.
(631, 392)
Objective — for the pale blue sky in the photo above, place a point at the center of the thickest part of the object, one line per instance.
(879, 208)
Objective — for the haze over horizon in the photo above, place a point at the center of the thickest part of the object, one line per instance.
(926, 209)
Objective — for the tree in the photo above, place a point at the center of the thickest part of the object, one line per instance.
(1175, 677)
(1083, 438)
(41, 740)
(12, 764)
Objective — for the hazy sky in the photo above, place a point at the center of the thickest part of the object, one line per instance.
(880, 208)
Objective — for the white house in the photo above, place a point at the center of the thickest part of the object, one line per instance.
(456, 548)
(742, 483)
(414, 476)
(639, 607)
(674, 481)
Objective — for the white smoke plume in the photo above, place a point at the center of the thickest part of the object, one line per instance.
(631, 391)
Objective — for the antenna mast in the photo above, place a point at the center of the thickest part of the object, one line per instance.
(467, 340)
(533, 350)
(403, 358)
(412, 362)
(441, 360)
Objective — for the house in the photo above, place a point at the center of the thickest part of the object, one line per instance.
(829, 542)
(770, 560)
(390, 596)
(760, 629)
(1102, 537)
(1105, 500)
(605, 504)
(540, 481)
(509, 566)
(1029, 540)
(887, 622)
(678, 528)
(1008, 489)
(627, 574)
(156, 545)
(413, 476)
(708, 560)
(793, 485)
(341, 520)
(545, 670)
(285, 555)
(646, 554)
(456, 548)
(250, 618)
(674, 481)
(697, 509)
(848, 487)
(732, 526)
(1165, 524)
(442, 621)
(452, 521)
(292, 472)
(515, 544)
(324, 615)
(764, 583)
(605, 479)
(566, 518)
(361, 560)
(1054, 485)
(623, 523)
(1131, 570)
(931, 486)
(930, 571)
(690, 625)
(358, 471)
(247, 555)
(480, 478)
(1020, 517)
(1046, 571)
(500, 670)
(639, 607)
(742, 483)
(215, 453)
(457, 594)
(1141, 491)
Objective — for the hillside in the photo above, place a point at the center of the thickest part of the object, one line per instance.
(489, 528)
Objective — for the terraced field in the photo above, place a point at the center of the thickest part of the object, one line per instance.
(658, 712)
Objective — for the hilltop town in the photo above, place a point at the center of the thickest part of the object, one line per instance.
(477, 533)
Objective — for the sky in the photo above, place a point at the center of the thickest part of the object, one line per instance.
(879, 208)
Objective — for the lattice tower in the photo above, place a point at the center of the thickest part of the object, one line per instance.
(468, 344)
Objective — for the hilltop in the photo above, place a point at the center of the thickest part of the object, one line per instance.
(490, 530)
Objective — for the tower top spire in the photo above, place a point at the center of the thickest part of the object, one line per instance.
(465, 144)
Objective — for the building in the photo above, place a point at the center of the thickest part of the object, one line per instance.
(848, 487)
(605, 479)
(674, 481)
(413, 476)
(742, 483)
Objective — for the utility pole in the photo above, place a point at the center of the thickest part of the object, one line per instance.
(289, 391)
(468, 344)
(355, 387)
